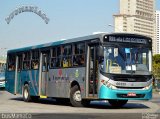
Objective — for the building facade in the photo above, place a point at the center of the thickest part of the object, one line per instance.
(157, 35)
(137, 16)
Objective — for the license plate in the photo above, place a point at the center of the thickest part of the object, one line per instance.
(131, 94)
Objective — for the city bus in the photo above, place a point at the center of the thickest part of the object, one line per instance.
(115, 67)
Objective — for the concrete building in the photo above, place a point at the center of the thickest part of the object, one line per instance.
(157, 35)
(136, 16)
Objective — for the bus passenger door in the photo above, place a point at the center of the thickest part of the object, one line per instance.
(44, 73)
(18, 81)
(93, 70)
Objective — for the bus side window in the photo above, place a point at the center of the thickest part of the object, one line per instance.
(35, 59)
(78, 60)
(79, 54)
(65, 62)
(35, 64)
(67, 56)
(75, 60)
(26, 60)
(19, 62)
(11, 67)
(25, 65)
(45, 63)
(59, 57)
(82, 59)
(53, 60)
(11, 62)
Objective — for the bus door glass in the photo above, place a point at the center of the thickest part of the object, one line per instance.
(18, 81)
(45, 66)
(93, 61)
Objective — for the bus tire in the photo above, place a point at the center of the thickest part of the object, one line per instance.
(75, 97)
(86, 103)
(117, 103)
(26, 93)
(34, 98)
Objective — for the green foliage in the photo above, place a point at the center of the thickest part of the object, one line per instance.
(156, 58)
(156, 66)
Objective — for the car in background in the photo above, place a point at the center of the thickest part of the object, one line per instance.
(157, 84)
(2, 77)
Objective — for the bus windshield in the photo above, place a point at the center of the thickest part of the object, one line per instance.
(126, 60)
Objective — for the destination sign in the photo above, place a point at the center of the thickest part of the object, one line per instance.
(126, 39)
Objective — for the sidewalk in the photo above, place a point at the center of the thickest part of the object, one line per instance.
(156, 95)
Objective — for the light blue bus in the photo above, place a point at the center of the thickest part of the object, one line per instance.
(114, 67)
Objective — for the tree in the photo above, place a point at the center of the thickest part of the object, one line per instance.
(156, 66)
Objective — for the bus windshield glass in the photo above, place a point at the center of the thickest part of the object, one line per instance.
(126, 60)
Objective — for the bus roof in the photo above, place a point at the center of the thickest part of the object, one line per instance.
(61, 42)
(55, 43)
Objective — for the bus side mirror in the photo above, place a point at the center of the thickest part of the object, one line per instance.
(100, 51)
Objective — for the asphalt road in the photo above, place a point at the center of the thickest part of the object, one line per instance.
(49, 108)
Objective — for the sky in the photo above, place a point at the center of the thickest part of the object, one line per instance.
(68, 19)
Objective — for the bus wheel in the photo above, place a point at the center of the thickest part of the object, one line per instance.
(26, 93)
(86, 103)
(75, 96)
(117, 103)
(34, 98)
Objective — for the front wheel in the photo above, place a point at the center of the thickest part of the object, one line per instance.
(75, 97)
(26, 93)
(117, 103)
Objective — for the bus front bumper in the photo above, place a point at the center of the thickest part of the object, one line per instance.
(107, 93)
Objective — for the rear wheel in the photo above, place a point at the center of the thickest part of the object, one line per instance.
(26, 93)
(117, 103)
(75, 96)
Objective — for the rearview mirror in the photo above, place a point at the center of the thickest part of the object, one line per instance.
(100, 51)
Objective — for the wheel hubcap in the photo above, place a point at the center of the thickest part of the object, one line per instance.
(25, 94)
(77, 96)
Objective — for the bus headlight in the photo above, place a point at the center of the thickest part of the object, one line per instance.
(147, 87)
(109, 85)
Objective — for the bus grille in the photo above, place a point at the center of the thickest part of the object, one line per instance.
(129, 87)
(135, 79)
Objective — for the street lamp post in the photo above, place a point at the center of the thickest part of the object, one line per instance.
(110, 25)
